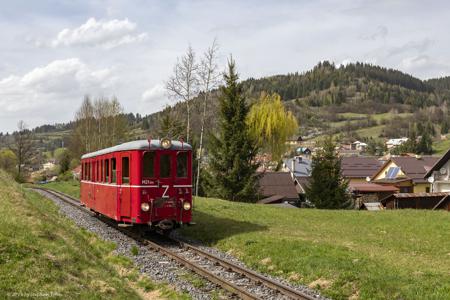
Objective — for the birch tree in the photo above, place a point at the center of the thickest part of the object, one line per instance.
(208, 80)
(183, 84)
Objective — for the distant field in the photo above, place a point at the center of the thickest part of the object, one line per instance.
(358, 254)
(441, 147)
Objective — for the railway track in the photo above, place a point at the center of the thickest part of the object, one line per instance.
(239, 281)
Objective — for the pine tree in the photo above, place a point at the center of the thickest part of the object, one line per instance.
(425, 145)
(327, 188)
(232, 152)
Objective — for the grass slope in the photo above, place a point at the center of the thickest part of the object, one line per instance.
(45, 255)
(401, 254)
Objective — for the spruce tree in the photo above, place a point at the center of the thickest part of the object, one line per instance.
(327, 188)
(232, 152)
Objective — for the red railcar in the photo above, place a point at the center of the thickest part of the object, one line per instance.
(140, 182)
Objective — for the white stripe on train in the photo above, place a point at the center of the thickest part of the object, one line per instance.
(133, 186)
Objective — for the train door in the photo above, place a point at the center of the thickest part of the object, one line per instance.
(124, 189)
(165, 202)
(91, 185)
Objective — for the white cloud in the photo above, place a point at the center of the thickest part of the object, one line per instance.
(155, 96)
(108, 34)
(52, 91)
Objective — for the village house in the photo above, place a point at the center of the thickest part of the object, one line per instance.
(439, 175)
(406, 173)
(276, 188)
(391, 143)
(357, 145)
(358, 171)
(295, 141)
(300, 169)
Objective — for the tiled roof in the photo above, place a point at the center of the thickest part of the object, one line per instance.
(415, 168)
(360, 167)
(277, 183)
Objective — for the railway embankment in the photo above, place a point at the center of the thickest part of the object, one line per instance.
(45, 255)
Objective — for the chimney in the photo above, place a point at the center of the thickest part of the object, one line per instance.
(293, 165)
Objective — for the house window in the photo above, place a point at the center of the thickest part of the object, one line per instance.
(164, 166)
(406, 189)
(148, 165)
(427, 189)
(182, 165)
(125, 170)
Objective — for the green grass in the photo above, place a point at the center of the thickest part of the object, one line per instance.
(45, 255)
(441, 147)
(71, 187)
(401, 254)
(374, 131)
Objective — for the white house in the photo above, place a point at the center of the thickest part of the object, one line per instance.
(439, 175)
(395, 142)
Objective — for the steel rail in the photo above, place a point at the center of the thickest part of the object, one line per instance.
(253, 276)
(268, 282)
(230, 287)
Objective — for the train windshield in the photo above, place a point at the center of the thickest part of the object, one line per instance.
(148, 165)
(182, 165)
(164, 166)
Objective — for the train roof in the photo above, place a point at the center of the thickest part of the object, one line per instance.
(138, 145)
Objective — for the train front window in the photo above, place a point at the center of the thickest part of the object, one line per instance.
(113, 170)
(164, 166)
(182, 165)
(148, 165)
(125, 170)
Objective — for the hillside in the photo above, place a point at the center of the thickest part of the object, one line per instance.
(44, 255)
(345, 99)
(356, 101)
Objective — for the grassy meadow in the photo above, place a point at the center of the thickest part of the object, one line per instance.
(45, 255)
(401, 254)
(345, 254)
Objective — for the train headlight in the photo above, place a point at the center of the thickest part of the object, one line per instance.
(186, 206)
(166, 143)
(145, 207)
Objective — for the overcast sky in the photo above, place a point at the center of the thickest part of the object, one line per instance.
(54, 52)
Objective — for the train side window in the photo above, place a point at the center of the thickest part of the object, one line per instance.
(125, 170)
(148, 165)
(182, 165)
(164, 166)
(113, 170)
(101, 170)
(89, 171)
(97, 171)
(107, 170)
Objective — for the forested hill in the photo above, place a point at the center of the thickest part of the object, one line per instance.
(330, 99)
(325, 75)
(358, 100)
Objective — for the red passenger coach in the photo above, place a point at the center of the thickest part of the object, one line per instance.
(140, 182)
